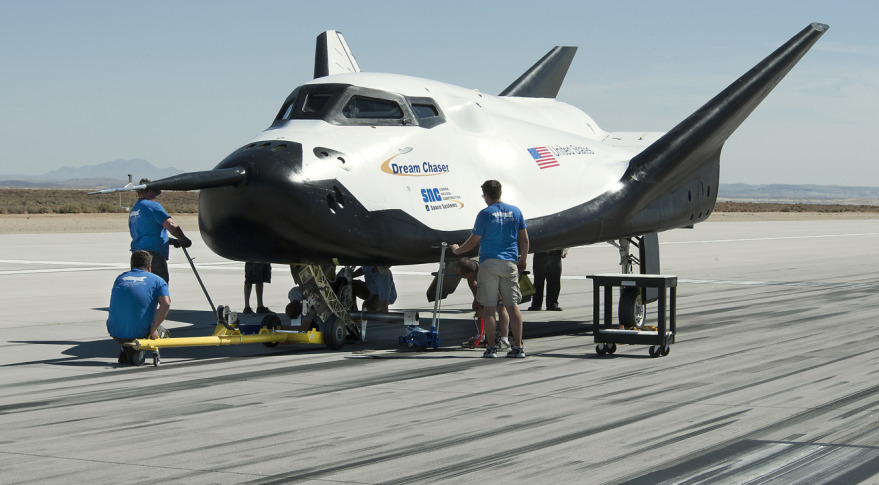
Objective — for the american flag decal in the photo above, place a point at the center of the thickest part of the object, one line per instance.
(543, 157)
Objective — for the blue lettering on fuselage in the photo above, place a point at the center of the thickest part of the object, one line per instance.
(405, 169)
(431, 168)
(431, 195)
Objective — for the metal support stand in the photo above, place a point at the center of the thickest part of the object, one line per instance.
(417, 336)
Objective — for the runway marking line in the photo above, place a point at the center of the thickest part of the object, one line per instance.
(95, 266)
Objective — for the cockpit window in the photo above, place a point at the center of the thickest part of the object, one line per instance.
(315, 102)
(349, 105)
(359, 107)
(286, 111)
(287, 108)
(424, 110)
(427, 112)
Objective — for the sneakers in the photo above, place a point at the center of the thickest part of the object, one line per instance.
(516, 353)
(262, 309)
(490, 353)
(248, 311)
(503, 343)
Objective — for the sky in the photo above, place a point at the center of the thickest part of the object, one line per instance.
(184, 83)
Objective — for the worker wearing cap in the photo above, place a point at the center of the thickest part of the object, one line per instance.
(149, 225)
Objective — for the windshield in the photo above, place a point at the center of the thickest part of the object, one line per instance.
(345, 104)
(362, 107)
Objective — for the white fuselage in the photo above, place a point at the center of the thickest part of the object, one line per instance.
(434, 174)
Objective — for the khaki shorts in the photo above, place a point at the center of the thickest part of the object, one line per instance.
(498, 275)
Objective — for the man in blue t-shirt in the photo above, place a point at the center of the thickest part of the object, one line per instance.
(133, 302)
(149, 225)
(502, 237)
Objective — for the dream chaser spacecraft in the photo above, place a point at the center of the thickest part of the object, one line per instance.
(366, 168)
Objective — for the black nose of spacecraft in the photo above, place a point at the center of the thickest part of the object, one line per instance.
(241, 221)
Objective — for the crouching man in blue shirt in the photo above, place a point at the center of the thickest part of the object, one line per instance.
(133, 304)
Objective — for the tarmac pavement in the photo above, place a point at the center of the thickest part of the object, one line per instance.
(772, 378)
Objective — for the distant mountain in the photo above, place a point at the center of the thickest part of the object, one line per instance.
(813, 194)
(107, 174)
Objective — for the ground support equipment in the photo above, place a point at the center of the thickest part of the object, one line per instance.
(268, 333)
(197, 277)
(331, 326)
(417, 337)
(607, 335)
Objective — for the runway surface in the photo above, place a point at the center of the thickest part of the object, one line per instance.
(773, 378)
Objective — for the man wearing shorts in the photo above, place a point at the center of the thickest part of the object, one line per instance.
(255, 274)
(502, 237)
(468, 269)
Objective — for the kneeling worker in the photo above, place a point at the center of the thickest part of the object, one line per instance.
(133, 301)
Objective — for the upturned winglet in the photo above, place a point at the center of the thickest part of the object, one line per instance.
(545, 77)
(698, 139)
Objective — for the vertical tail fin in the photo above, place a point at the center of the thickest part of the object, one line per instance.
(332, 55)
(545, 78)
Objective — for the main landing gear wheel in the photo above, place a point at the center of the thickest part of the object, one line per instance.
(346, 297)
(335, 333)
(271, 322)
(631, 309)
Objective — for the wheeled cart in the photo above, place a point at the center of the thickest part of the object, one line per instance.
(607, 335)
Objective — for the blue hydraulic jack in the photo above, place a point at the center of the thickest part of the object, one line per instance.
(418, 337)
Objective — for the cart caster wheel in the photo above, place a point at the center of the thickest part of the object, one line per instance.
(665, 350)
(138, 357)
(611, 349)
(653, 351)
(599, 349)
(156, 359)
